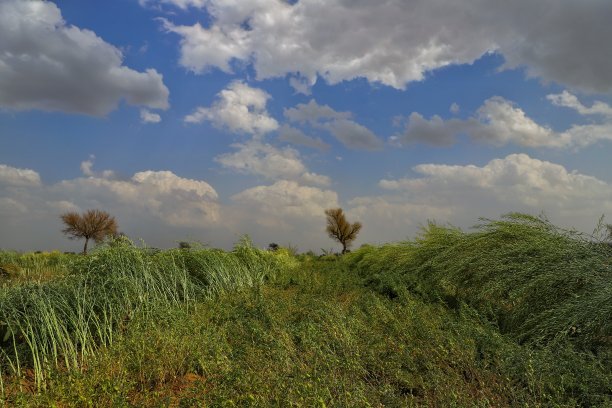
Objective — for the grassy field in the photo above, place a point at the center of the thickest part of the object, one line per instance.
(516, 313)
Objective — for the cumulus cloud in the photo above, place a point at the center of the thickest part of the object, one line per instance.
(238, 108)
(157, 205)
(460, 194)
(499, 122)
(569, 100)
(12, 176)
(171, 199)
(400, 41)
(286, 203)
(517, 179)
(293, 135)
(50, 65)
(147, 116)
(338, 124)
(271, 162)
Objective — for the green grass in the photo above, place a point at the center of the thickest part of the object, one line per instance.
(16, 268)
(538, 283)
(316, 337)
(513, 314)
(62, 322)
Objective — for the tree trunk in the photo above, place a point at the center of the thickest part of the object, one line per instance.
(343, 248)
(85, 247)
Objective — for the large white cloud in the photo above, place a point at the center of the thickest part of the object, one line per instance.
(396, 41)
(171, 199)
(460, 194)
(289, 198)
(49, 65)
(338, 124)
(500, 122)
(239, 108)
(271, 162)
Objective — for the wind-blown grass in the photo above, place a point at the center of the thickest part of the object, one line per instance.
(539, 283)
(18, 267)
(61, 323)
(315, 336)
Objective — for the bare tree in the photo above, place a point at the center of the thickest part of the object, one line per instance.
(339, 229)
(92, 224)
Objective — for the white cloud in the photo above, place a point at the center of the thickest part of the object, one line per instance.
(460, 194)
(499, 122)
(12, 176)
(170, 199)
(454, 108)
(285, 212)
(293, 135)
(87, 166)
(516, 180)
(49, 65)
(338, 124)
(87, 169)
(400, 41)
(147, 116)
(286, 203)
(569, 100)
(159, 206)
(239, 108)
(274, 163)
(203, 48)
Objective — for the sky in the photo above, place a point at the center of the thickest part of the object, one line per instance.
(203, 120)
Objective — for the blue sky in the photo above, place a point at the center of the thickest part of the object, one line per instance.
(207, 119)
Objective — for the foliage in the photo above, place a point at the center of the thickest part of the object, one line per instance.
(92, 224)
(315, 337)
(63, 322)
(184, 245)
(539, 283)
(18, 267)
(339, 229)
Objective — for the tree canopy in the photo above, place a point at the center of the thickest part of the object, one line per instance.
(92, 224)
(339, 229)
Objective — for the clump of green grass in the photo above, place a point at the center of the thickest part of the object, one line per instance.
(63, 322)
(16, 268)
(539, 283)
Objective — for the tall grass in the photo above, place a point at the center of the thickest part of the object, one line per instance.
(62, 322)
(539, 283)
(18, 267)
